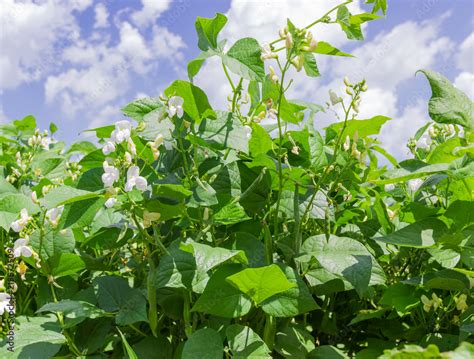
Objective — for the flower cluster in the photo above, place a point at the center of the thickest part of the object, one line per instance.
(434, 303)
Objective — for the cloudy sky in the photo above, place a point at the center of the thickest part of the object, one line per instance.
(77, 62)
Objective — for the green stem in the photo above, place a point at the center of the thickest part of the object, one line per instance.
(228, 77)
(269, 331)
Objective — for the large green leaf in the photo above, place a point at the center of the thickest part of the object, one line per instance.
(363, 128)
(424, 233)
(65, 194)
(35, 337)
(261, 283)
(294, 342)
(344, 257)
(222, 299)
(208, 29)
(401, 297)
(115, 295)
(141, 107)
(52, 242)
(226, 131)
(293, 301)
(205, 343)
(448, 104)
(245, 343)
(243, 59)
(196, 105)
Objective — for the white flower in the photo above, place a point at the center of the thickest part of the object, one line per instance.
(4, 302)
(135, 180)
(415, 184)
(110, 202)
(424, 143)
(45, 142)
(21, 248)
(122, 132)
(53, 215)
(128, 158)
(267, 53)
(273, 75)
(248, 131)
(389, 187)
(34, 197)
(271, 118)
(334, 98)
(108, 148)
(295, 150)
(289, 41)
(19, 224)
(347, 143)
(131, 147)
(111, 174)
(175, 106)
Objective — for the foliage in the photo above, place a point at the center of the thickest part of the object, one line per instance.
(206, 233)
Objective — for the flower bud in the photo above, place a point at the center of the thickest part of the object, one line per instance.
(34, 197)
(348, 91)
(334, 98)
(295, 150)
(364, 88)
(346, 81)
(347, 143)
(289, 41)
(128, 158)
(273, 75)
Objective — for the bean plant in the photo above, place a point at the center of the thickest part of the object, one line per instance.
(184, 231)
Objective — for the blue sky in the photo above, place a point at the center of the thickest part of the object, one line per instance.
(77, 62)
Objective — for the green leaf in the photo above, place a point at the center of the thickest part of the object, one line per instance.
(230, 214)
(147, 348)
(245, 343)
(128, 349)
(208, 29)
(36, 337)
(344, 257)
(66, 264)
(447, 103)
(294, 342)
(141, 107)
(222, 299)
(243, 59)
(401, 297)
(204, 343)
(289, 112)
(325, 48)
(75, 311)
(52, 243)
(196, 105)
(363, 128)
(261, 283)
(260, 142)
(421, 234)
(81, 213)
(102, 132)
(310, 65)
(226, 131)
(292, 302)
(114, 294)
(446, 279)
(446, 152)
(405, 173)
(64, 195)
(10, 206)
(208, 257)
(327, 352)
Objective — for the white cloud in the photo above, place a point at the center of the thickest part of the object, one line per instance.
(465, 57)
(151, 10)
(395, 56)
(32, 35)
(3, 117)
(465, 82)
(396, 132)
(101, 16)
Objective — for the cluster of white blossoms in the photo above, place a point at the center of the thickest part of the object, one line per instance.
(20, 247)
(5, 302)
(414, 184)
(40, 139)
(21, 223)
(54, 214)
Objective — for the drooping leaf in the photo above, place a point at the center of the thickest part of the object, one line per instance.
(448, 104)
